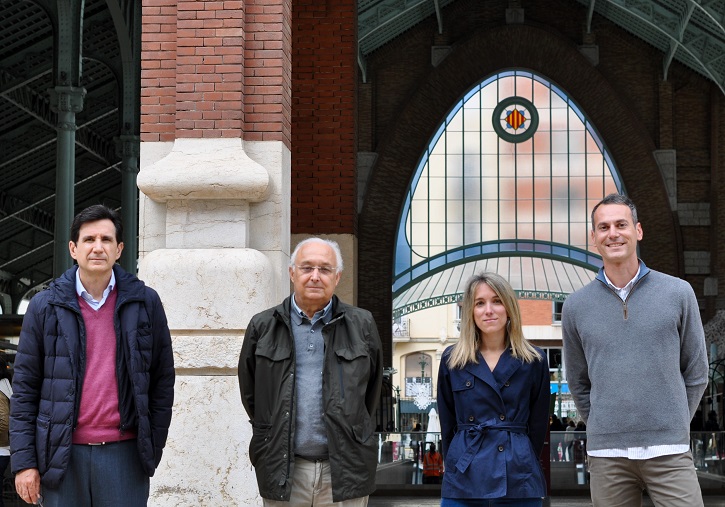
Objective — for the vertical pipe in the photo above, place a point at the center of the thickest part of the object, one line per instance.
(129, 215)
(129, 152)
(711, 300)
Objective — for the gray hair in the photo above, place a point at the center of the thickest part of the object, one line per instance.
(332, 244)
(617, 199)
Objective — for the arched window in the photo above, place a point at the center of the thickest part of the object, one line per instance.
(418, 365)
(418, 375)
(506, 184)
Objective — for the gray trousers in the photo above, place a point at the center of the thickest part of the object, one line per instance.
(109, 475)
(312, 487)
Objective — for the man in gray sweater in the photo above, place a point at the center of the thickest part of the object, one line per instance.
(636, 362)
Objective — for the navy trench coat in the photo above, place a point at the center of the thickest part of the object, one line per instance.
(493, 426)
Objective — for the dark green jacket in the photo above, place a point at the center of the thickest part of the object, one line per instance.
(351, 383)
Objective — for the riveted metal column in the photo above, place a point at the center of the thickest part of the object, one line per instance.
(66, 101)
(128, 149)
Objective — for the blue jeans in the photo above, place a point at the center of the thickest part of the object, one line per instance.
(495, 502)
(109, 475)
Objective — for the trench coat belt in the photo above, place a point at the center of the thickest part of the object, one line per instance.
(477, 433)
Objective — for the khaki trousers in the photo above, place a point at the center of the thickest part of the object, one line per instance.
(670, 481)
(312, 487)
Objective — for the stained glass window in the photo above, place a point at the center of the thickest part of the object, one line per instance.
(514, 169)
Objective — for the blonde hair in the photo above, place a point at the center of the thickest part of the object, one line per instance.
(465, 350)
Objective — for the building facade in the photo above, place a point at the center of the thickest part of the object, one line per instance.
(261, 122)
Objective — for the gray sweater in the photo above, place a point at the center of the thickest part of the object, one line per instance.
(637, 369)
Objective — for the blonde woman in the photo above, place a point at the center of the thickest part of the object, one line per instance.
(493, 398)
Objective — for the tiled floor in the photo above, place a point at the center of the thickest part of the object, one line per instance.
(392, 501)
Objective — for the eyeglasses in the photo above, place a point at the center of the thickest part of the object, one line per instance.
(323, 270)
(39, 502)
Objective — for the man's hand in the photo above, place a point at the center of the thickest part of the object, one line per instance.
(27, 484)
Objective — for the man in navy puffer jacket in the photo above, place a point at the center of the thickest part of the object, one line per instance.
(94, 379)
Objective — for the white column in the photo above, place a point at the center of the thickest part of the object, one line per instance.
(214, 242)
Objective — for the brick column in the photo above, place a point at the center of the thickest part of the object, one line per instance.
(324, 179)
(214, 219)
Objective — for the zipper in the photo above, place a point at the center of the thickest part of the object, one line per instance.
(120, 345)
(634, 286)
(77, 380)
(81, 370)
(625, 308)
(290, 449)
(77, 386)
(119, 350)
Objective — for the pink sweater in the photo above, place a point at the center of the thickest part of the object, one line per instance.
(98, 417)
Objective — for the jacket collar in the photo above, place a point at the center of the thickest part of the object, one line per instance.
(505, 368)
(643, 270)
(63, 288)
(284, 309)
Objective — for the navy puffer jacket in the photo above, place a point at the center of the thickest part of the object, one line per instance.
(50, 366)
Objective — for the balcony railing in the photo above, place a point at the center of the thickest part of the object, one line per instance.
(400, 460)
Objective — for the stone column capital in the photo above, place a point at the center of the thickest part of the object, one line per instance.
(205, 169)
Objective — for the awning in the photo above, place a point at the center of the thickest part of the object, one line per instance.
(409, 407)
(530, 277)
(555, 387)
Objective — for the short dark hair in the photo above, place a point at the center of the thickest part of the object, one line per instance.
(93, 214)
(617, 199)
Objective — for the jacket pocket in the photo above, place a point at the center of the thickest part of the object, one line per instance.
(353, 368)
(260, 442)
(140, 346)
(42, 442)
(463, 382)
(269, 350)
(363, 431)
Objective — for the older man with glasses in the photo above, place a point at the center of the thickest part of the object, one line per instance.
(310, 374)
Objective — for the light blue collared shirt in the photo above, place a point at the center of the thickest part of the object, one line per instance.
(301, 313)
(82, 292)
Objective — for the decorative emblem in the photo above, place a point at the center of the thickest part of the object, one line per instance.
(420, 392)
(515, 119)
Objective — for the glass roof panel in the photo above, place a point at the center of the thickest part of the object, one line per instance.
(531, 278)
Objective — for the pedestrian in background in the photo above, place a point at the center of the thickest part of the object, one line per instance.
(432, 466)
(6, 392)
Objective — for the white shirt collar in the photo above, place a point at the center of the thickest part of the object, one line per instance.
(624, 291)
(82, 292)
